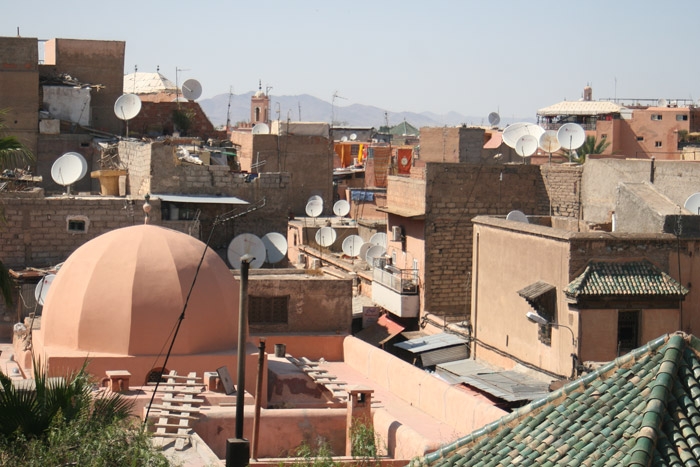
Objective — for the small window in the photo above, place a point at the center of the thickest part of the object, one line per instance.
(681, 117)
(604, 136)
(657, 117)
(627, 331)
(657, 144)
(77, 224)
(546, 307)
(640, 138)
(268, 310)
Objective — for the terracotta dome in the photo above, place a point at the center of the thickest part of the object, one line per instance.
(122, 293)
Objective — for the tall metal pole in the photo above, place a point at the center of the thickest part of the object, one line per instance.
(258, 397)
(242, 326)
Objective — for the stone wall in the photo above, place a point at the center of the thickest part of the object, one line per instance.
(562, 184)
(453, 144)
(156, 118)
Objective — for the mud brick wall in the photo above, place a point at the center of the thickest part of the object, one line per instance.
(156, 118)
(406, 193)
(562, 184)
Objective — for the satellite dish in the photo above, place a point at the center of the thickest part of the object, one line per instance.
(353, 137)
(246, 244)
(378, 239)
(127, 106)
(42, 288)
(314, 198)
(517, 216)
(352, 245)
(68, 169)
(341, 208)
(375, 251)
(325, 236)
(344, 139)
(494, 119)
(364, 249)
(692, 204)
(571, 136)
(191, 89)
(526, 145)
(275, 246)
(662, 102)
(314, 208)
(549, 142)
(512, 134)
(261, 129)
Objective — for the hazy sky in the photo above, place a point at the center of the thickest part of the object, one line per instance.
(465, 56)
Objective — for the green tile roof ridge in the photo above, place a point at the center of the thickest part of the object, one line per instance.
(574, 386)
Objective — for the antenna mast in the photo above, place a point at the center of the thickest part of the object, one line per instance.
(228, 111)
(335, 96)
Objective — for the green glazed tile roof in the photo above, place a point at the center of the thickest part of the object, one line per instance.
(630, 278)
(641, 409)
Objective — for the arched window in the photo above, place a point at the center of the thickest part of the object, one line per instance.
(257, 114)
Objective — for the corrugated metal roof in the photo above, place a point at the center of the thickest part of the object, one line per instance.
(446, 354)
(435, 341)
(580, 108)
(200, 199)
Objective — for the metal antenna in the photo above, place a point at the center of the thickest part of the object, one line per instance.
(228, 111)
(177, 87)
(335, 96)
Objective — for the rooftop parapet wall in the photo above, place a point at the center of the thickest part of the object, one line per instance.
(406, 194)
(562, 183)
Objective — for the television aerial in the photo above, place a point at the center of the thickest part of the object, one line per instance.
(191, 89)
(314, 208)
(352, 246)
(513, 132)
(571, 136)
(341, 208)
(68, 169)
(692, 204)
(494, 119)
(275, 246)
(325, 236)
(353, 136)
(526, 145)
(378, 239)
(246, 244)
(261, 129)
(375, 252)
(42, 288)
(517, 216)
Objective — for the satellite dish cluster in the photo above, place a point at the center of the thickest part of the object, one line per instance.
(271, 249)
(526, 137)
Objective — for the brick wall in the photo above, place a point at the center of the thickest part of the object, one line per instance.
(406, 193)
(156, 118)
(562, 188)
(455, 144)
(135, 156)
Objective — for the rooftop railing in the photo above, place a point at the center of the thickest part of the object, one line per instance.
(403, 281)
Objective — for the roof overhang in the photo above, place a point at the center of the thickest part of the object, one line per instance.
(199, 199)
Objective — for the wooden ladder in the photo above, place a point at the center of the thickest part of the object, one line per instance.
(179, 407)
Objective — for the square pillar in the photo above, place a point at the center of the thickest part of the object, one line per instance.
(359, 411)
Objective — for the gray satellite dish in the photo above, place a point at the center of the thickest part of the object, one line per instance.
(341, 208)
(494, 119)
(246, 244)
(571, 136)
(275, 246)
(352, 245)
(42, 288)
(191, 89)
(376, 251)
(353, 137)
(526, 145)
(549, 142)
(261, 129)
(325, 236)
(512, 134)
(378, 239)
(364, 249)
(517, 216)
(662, 102)
(692, 204)
(68, 169)
(127, 106)
(314, 208)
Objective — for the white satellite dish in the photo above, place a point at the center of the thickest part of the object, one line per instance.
(526, 145)
(494, 119)
(275, 246)
(517, 216)
(512, 134)
(571, 136)
(364, 249)
(325, 236)
(352, 246)
(314, 208)
(353, 137)
(341, 208)
(692, 204)
(662, 102)
(180, 99)
(127, 106)
(314, 198)
(246, 244)
(42, 288)
(68, 169)
(549, 142)
(378, 239)
(191, 89)
(261, 129)
(376, 251)
(344, 139)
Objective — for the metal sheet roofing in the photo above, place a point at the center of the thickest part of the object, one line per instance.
(580, 108)
(445, 354)
(200, 199)
(432, 342)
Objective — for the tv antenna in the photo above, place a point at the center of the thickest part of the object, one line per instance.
(68, 169)
(228, 110)
(177, 87)
(335, 96)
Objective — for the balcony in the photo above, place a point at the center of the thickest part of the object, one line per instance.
(396, 290)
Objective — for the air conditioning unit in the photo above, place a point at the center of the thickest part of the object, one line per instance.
(301, 259)
(396, 232)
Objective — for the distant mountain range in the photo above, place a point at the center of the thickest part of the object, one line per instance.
(312, 109)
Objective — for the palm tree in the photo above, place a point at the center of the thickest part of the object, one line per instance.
(12, 152)
(590, 146)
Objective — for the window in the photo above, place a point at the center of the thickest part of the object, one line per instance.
(546, 307)
(627, 331)
(657, 144)
(681, 117)
(656, 117)
(603, 136)
(268, 310)
(77, 224)
(257, 114)
(640, 138)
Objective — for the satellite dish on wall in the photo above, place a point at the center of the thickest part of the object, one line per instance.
(571, 136)
(68, 169)
(378, 239)
(261, 129)
(325, 236)
(314, 208)
(341, 208)
(517, 216)
(191, 89)
(42, 288)
(344, 139)
(246, 244)
(353, 137)
(127, 106)
(549, 142)
(526, 145)
(512, 134)
(692, 204)
(662, 102)
(376, 251)
(275, 246)
(352, 245)
(494, 119)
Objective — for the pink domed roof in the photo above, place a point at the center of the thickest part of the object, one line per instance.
(123, 292)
